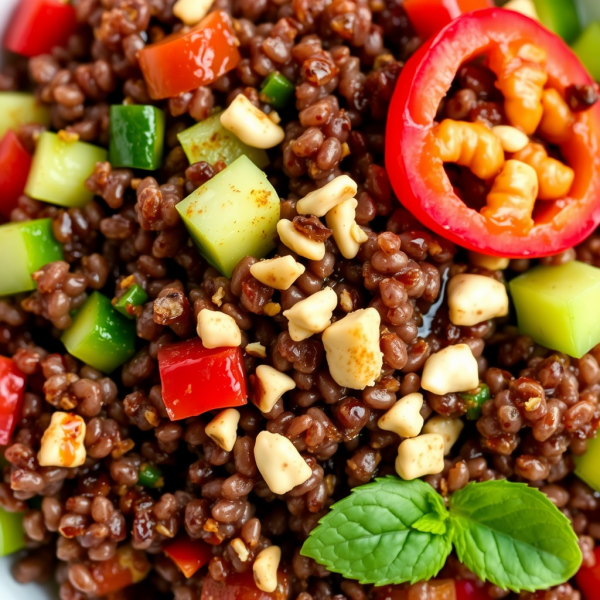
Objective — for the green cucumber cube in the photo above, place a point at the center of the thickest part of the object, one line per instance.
(59, 170)
(17, 108)
(209, 141)
(27, 247)
(137, 134)
(100, 336)
(232, 215)
(11, 532)
(587, 48)
(556, 306)
(587, 466)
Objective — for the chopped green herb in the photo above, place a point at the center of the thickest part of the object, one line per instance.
(134, 296)
(475, 399)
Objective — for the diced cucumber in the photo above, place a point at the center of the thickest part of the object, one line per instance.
(11, 532)
(587, 48)
(232, 215)
(134, 296)
(209, 141)
(587, 466)
(559, 16)
(60, 168)
(26, 246)
(554, 305)
(17, 108)
(100, 336)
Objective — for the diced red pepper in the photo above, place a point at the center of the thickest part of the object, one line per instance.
(241, 586)
(184, 61)
(196, 379)
(588, 579)
(437, 589)
(189, 555)
(15, 163)
(467, 590)
(126, 567)
(430, 16)
(12, 384)
(37, 26)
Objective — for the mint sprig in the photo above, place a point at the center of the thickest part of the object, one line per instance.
(394, 531)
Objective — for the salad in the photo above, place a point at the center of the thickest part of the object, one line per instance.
(299, 299)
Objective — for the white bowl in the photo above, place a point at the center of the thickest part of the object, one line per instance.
(9, 588)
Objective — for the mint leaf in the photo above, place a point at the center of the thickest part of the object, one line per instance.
(370, 536)
(512, 535)
(431, 523)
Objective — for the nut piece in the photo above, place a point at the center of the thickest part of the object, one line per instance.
(62, 443)
(278, 273)
(222, 430)
(453, 369)
(423, 455)
(191, 12)
(352, 348)
(240, 549)
(311, 315)
(250, 124)
(269, 385)
(279, 462)
(321, 201)
(476, 298)
(265, 569)
(404, 418)
(216, 329)
(256, 349)
(299, 243)
(492, 263)
(448, 428)
(511, 138)
(346, 233)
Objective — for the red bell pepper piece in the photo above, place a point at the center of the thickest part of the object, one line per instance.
(241, 586)
(184, 61)
(588, 579)
(15, 163)
(188, 555)
(12, 384)
(37, 26)
(467, 590)
(430, 16)
(196, 379)
(126, 567)
(417, 174)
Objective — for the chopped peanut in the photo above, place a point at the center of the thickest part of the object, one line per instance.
(469, 145)
(298, 242)
(278, 273)
(311, 315)
(256, 349)
(511, 138)
(475, 298)
(447, 427)
(352, 349)
(240, 549)
(513, 195)
(269, 385)
(346, 233)
(557, 121)
(265, 569)
(216, 329)
(420, 456)
(321, 201)
(555, 178)
(492, 263)
(250, 124)
(191, 12)
(404, 418)
(453, 369)
(279, 462)
(520, 69)
(222, 430)
(62, 443)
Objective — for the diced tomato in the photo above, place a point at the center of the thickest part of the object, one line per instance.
(196, 379)
(184, 61)
(127, 567)
(12, 384)
(241, 586)
(15, 163)
(436, 589)
(189, 555)
(588, 579)
(38, 26)
(467, 590)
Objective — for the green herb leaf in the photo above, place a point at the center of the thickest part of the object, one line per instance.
(512, 535)
(431, 523)
(370, 535)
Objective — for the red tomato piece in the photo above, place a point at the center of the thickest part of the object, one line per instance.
(241, 586)
(417, 174)
(182, 62)
(196, 379)
(588, 579)
(467, 590)
(188, 555)
(37, 26)
(430, 16)
(12, 384)
(15, 163)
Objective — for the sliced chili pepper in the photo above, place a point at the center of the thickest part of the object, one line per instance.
(241, 586)
(412, 157)
(184, 61)
(150, 476)
(38, 26)
(134, 296)
(15, 163)
(277, 90)
(12, 384)
(188, 555)
(474, 400)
